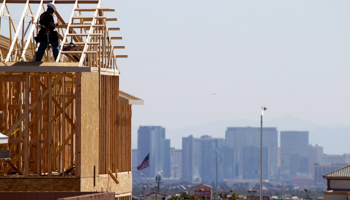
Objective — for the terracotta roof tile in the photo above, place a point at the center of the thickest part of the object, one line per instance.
(341, 172)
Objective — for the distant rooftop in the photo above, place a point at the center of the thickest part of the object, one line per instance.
(343, 172)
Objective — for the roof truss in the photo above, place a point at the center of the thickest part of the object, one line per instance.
(85, 38)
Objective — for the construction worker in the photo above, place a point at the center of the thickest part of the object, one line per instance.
(47, 34)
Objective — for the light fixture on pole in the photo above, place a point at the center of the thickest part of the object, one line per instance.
(261, 144)
(158, 179)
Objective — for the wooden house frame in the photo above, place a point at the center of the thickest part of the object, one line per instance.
(69, 126)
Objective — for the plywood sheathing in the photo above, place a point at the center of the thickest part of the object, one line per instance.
(89, 124)
(36, 184)
(105, 183)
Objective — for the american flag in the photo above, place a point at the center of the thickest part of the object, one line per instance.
(144, 164)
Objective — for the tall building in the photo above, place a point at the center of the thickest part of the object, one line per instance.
(333, 158)
(134, 162)
(322, 169)
(315, 157)
(239, 137)
(294, 153)
(198, 158)
(251, 162)
(151, 139)
(176, 163)
(226, 166)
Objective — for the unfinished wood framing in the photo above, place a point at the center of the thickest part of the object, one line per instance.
(37, 107)
(86, 28)
(69, 126)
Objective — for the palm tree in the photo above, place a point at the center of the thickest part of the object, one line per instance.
(174, 197)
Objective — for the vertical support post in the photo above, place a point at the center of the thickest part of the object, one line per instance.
(23, 34)
(64, 125)
(72, 130)
(78, 125)
(38, 119)
(50, 125)
(26, 134)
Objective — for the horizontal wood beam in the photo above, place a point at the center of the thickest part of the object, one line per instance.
(84, 34)
(12, 78)
(121, 56)
(79, 52)
(82, 43)
(86, 26)
(116, 38)
(49, 1)
(89, 18)
(45, 69)
(111, 19)
(94, 9)
(118, 47)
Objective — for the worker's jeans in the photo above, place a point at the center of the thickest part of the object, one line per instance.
(41, 51)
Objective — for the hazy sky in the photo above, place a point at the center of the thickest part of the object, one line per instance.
(199, 61)
(291, 56)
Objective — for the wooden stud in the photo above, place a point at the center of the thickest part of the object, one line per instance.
(64, 125)
(78, 124)
(26, 127)
(50, 125)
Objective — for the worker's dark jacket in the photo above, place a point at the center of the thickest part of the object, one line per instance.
(45, 23)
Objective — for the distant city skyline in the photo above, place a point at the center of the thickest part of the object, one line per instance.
(318, 134)
(296, 161)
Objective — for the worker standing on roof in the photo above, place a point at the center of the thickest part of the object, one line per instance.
(47, 35)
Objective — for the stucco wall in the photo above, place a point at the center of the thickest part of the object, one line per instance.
(339, 184)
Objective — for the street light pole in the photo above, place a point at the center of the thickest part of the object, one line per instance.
(149, 190)
(216, 185)
(261, 145)
(158, 179)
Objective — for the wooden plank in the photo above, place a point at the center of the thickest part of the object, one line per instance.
(118, 47)
(31, 32)
(12, 78)
(78, 125)
(84, 34)
(79, 52)
(38, 64)
(17, 32)
(116, 38)
(50, 125)
(17, 123)
(82, 59)
(112, 176)
(64, 125)
(94, 9)
(86, 18)
(111, 19)
(38, 127)
(121, 56)
(49, 1)
(86, 26)
(45, 69)
(59, 56)
(26, 129)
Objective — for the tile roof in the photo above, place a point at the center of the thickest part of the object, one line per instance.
(341, 172)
